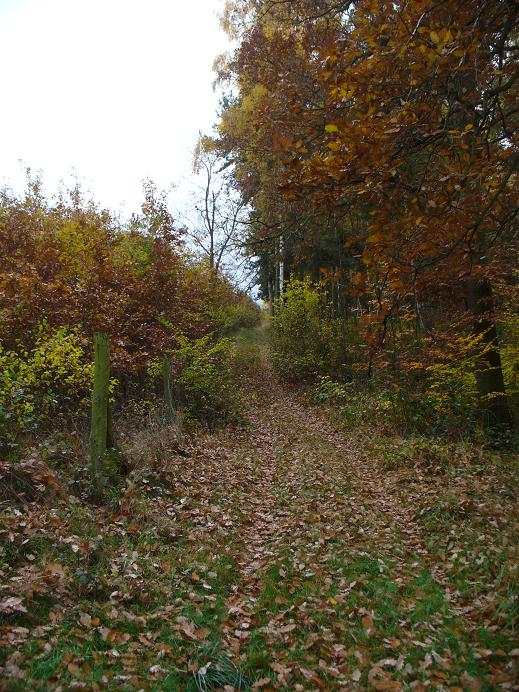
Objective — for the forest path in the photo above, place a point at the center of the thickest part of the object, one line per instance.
(275, 553)
(321, 547)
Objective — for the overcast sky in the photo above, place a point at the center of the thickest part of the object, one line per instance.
(115, 90)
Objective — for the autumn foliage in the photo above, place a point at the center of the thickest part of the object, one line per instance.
(379, 142)
(69, 269)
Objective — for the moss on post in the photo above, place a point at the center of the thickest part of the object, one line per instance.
(99, 427)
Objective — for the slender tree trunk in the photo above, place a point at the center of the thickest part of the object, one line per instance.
(211, 250)
(100, 427)
(276, 279)
(271, 297)
(168, 395)
(281, 269)
(489, 372)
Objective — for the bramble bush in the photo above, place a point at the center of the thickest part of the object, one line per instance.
(377, 407)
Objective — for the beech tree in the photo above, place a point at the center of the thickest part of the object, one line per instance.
(404, 111)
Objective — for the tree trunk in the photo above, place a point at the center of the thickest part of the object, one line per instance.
(168, 395)
(489, 372)
(100, 426)
(271, 297)
(281, 269)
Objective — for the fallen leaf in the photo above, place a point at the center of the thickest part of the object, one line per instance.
(12, 604)
(369, 625)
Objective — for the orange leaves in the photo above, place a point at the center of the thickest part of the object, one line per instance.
(393, 111)
(63, 263)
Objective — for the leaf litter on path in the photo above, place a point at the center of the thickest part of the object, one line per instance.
(278, 555)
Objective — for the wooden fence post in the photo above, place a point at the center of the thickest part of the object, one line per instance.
(99, 427)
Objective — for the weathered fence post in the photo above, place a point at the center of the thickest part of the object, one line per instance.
(100, 427)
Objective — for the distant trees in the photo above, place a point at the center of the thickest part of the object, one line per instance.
(221, 213)
(72, 274)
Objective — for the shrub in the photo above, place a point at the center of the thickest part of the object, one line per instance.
(510, 354)
(17, 401)
(306, 340)
(58, 371)
(228, 319)
(379, 408)
(53, 378)
(451, 384)
(243, 315)
(204, 368)
(357, 407)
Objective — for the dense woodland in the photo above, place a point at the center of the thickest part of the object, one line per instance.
(316, 490)
(377, 145)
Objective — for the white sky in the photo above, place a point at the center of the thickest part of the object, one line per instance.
(115, 90)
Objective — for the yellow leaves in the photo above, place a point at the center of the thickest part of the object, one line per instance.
(347, 91)
(250, 101)
(441, 38)
(331, 128)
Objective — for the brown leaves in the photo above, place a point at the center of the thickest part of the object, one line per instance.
(369, 625)
(66, 263)
(302, 546)
(12, 604)
(189, 630)
(375, 104)
(379, 679)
